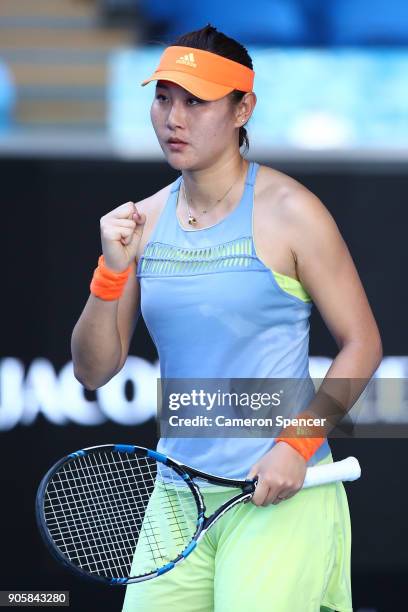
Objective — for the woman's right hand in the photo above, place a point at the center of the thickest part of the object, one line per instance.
(121, 231)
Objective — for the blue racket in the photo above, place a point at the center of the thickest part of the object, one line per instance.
(120, 514)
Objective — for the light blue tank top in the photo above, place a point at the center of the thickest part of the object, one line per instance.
(214, 310)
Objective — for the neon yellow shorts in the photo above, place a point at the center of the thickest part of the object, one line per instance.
(293, 557)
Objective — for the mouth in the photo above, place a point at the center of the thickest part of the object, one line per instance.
(175, 144)
(175, 141)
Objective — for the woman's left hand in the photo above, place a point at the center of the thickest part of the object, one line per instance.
(281, 473)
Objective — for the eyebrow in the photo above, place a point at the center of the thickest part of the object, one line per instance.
(168, 88)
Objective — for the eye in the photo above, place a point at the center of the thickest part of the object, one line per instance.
(160, 96)
(196, 100)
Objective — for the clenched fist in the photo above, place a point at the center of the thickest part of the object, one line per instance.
(121, 231)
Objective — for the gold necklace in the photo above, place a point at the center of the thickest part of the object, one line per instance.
(191, 219)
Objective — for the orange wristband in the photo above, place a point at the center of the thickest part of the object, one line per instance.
(305, 446)
(106, 283)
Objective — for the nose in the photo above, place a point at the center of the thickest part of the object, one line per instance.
(175, 117)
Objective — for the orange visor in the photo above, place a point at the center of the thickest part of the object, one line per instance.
(204, 74)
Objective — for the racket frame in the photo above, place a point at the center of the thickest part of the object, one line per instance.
(187, 473)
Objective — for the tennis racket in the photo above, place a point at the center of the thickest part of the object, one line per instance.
(120, 514)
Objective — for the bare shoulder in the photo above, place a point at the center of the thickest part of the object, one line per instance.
(282, 197)
(153, 204)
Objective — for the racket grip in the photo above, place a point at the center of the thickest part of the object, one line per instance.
(347, 469)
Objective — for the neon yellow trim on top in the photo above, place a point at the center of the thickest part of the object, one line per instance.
(292, 286)
(159, 257)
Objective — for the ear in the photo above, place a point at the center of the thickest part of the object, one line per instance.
(245, 108)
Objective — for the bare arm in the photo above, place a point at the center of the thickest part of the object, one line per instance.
(100, 339)
(327, 271)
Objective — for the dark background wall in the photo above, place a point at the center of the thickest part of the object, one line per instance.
(50, 212)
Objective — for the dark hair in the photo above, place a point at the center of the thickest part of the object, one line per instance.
(209, 39)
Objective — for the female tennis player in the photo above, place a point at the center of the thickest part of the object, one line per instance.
(225, 263)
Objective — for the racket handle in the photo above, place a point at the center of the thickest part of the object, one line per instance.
(347, 469)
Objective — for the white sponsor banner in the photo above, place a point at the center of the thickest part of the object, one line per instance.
(61, 399)
(25, 393)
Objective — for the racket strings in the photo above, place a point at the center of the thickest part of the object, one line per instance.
(110, 548)
(94, 546)
(114, 514)
(103, 540)
(106, 545)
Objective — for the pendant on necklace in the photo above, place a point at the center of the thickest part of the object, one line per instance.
(192, 220)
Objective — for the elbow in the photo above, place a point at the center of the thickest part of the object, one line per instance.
(369, 350)
(379, 351)
(373, 350)
(91, 383)
(87, 384)
(376, 348)
(90, 387)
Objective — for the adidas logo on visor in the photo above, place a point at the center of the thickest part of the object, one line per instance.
(187, 59)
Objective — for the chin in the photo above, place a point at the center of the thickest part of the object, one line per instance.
(178, 162)
(183, 161)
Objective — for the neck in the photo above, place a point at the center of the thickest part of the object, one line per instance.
(205, 186)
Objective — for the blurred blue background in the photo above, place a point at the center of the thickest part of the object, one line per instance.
(285, 22)
(306, 98)
(329, 74)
